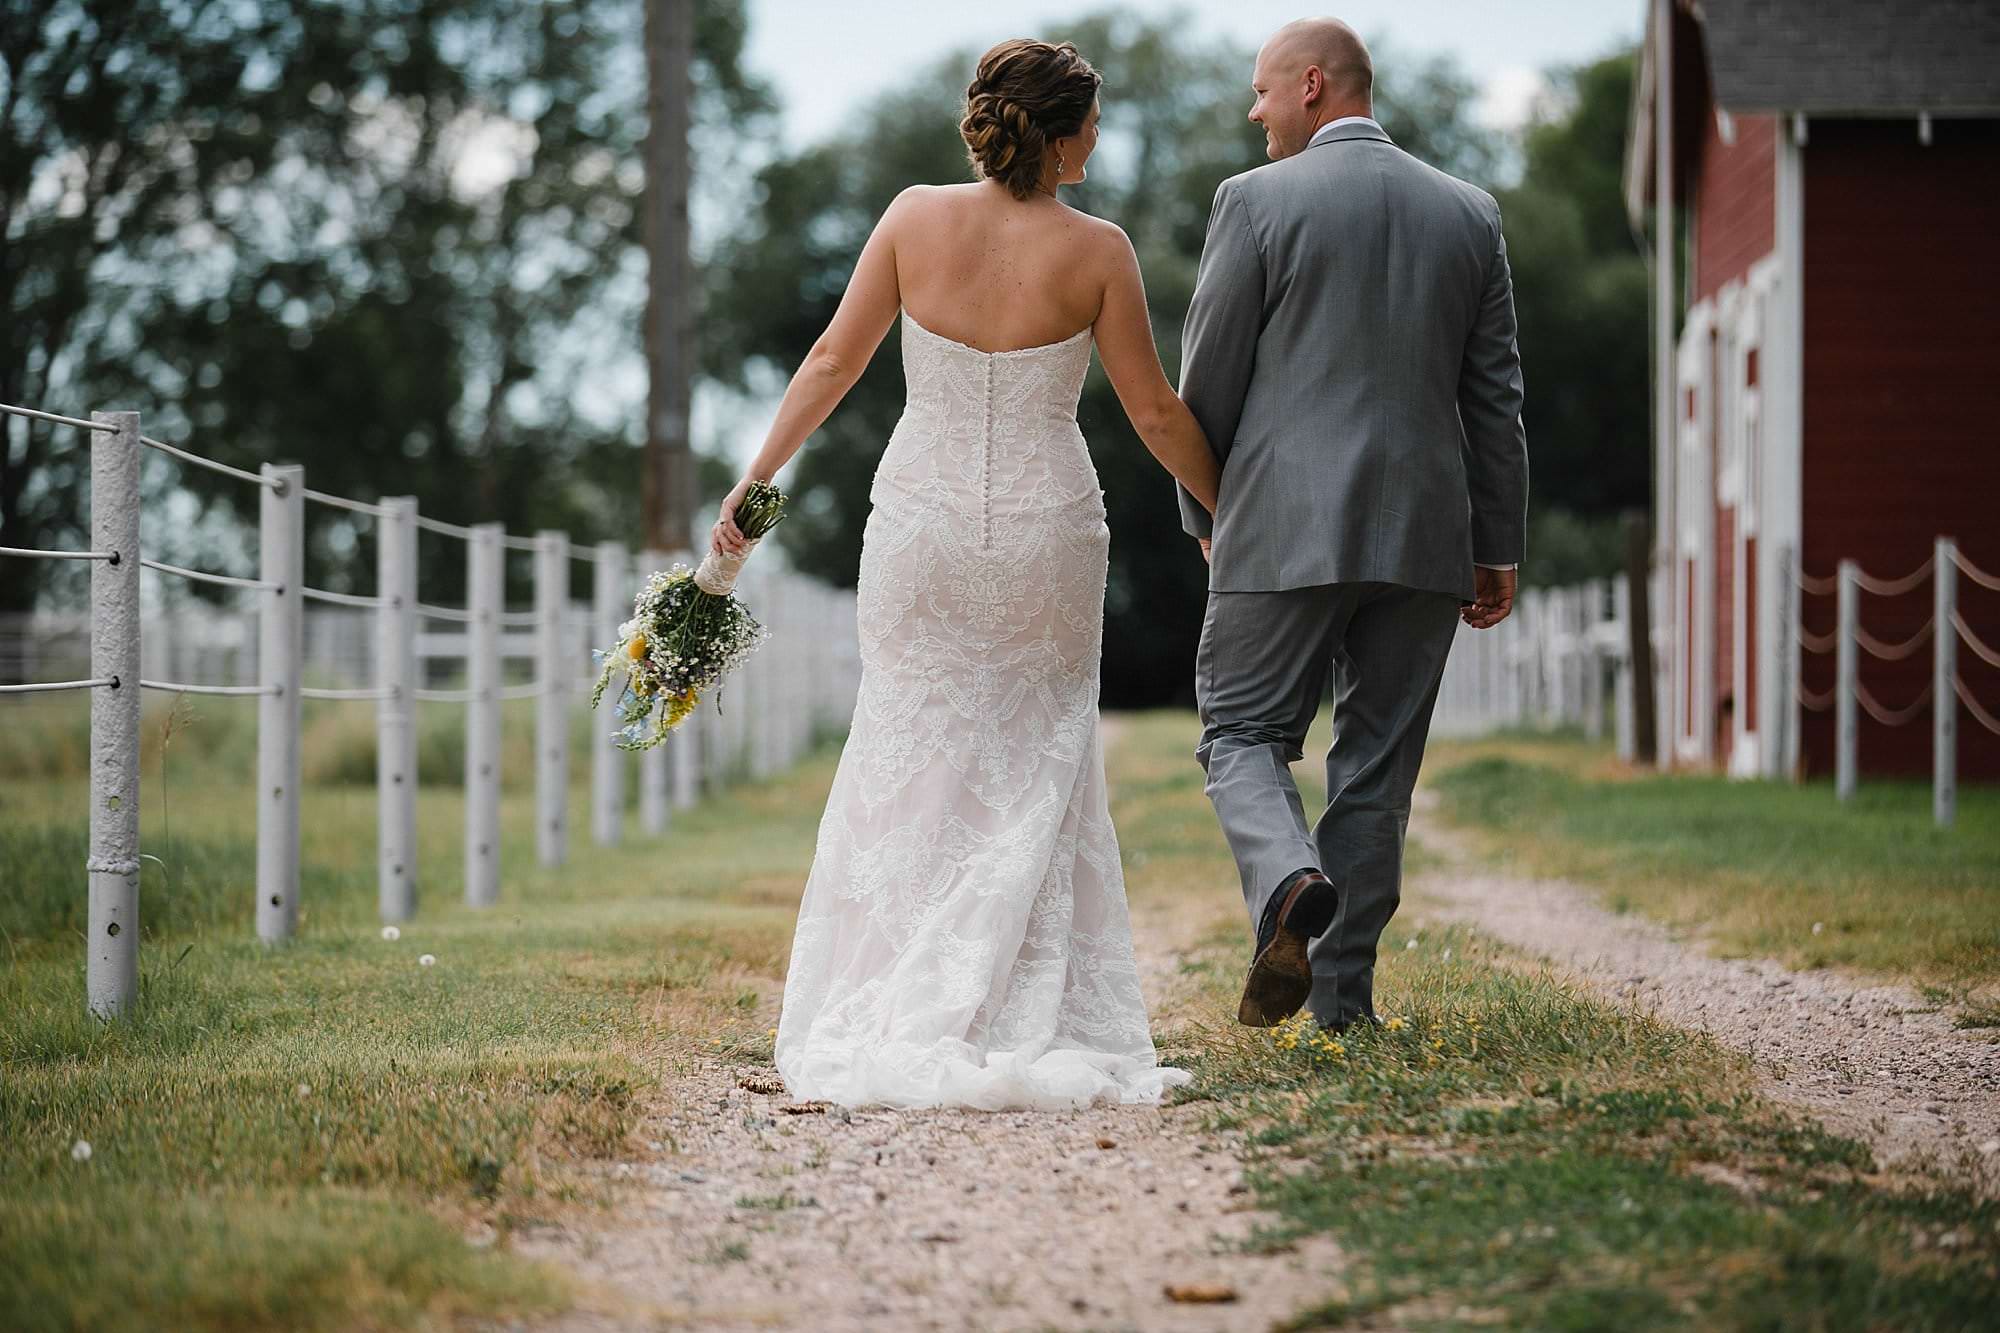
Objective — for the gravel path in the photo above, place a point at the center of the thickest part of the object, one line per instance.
(1873, 1062)
(750, 1217)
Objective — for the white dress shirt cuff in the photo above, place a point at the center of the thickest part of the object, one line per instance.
(1497, 566)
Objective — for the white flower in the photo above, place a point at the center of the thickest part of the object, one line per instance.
(1818, 926)
(80, 1151)
(304, 1090)
(391, 933)
(427, 960)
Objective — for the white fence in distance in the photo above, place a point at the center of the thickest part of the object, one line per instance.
(357, 649)
(1552, 662)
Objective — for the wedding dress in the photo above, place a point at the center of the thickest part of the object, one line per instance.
(963, 939)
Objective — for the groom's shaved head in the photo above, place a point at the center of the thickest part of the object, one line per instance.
(1336, 49)
(1310, 74)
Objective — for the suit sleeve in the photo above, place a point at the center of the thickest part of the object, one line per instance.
(1489, 405)
(1219, 342)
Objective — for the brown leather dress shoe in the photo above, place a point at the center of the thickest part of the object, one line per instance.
(1281, 974)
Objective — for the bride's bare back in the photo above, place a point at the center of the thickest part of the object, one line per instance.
(974, 264)
(982, 268)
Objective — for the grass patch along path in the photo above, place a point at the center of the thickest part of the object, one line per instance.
(1910, 1069)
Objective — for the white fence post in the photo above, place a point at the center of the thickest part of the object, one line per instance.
(684, 750)
(111, 962)
(654, 791)
(1944, 701)
(1847, 724)
(1624, 679)
(281, 640)
(1590, 622)
(395, 712)
(556, 674)
(485, 584)
(607, 761)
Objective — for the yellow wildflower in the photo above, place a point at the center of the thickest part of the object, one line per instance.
(636, 647)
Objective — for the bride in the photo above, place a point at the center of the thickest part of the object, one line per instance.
(963, 938)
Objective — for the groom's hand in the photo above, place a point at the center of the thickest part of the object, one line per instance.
(1206, 542)
(1493, 597)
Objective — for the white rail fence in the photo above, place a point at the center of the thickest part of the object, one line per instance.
(1552, 662)
(1558, 660)
(379, 649)
(1944, 631)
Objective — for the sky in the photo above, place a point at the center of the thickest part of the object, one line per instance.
(1502, 44)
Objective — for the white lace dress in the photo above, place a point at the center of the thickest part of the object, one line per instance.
(963, 939)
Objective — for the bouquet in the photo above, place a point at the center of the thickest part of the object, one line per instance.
(686, 633)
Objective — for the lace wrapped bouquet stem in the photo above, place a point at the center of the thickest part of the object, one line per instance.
(687, 632)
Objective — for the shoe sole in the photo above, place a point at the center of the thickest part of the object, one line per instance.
(1281, 976)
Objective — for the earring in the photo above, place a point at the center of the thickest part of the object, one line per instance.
(1061, 166)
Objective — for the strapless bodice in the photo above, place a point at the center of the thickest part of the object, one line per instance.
(990, 434)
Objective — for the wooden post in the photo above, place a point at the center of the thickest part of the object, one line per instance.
(280, 641)
(1944, 700)
(555, 676)
(486, 589)
(1639, 645)
(1847, 723)
(395, 711)
(668, 494)
(111, 954)
(607, 762)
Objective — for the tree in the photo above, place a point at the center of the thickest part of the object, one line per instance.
(394, 240)
(1580, 294)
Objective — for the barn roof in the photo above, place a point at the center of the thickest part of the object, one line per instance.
(1853, 57)
(1864, 58)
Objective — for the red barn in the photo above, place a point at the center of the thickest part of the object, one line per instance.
(1833, 169)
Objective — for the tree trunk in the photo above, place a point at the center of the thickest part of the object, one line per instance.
(668, 491)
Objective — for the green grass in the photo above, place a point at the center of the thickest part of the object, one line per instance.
(329, 1135)
(1756, 865)
(1514, 1153)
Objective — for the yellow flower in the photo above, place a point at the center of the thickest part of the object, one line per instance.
(1395, 1025)
(635, 647)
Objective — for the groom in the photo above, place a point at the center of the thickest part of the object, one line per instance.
(1350, 353)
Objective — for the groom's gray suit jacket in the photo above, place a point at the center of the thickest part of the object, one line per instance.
(1350, 353)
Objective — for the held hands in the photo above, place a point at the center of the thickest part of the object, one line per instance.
(726, 538)
(1493, 591)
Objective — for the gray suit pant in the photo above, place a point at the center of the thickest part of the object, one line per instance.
(1263, 665)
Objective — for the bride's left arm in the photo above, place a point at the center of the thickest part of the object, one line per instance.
(836, 361)
(1124, 333)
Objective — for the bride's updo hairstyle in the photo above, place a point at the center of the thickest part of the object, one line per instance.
(1024, 94)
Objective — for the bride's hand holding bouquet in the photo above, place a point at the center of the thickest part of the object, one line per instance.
(688, 630)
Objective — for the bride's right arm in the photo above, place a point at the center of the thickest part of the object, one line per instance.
(1132, 363)
(836, 361)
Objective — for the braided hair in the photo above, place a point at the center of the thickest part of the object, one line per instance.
(1024, 94)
